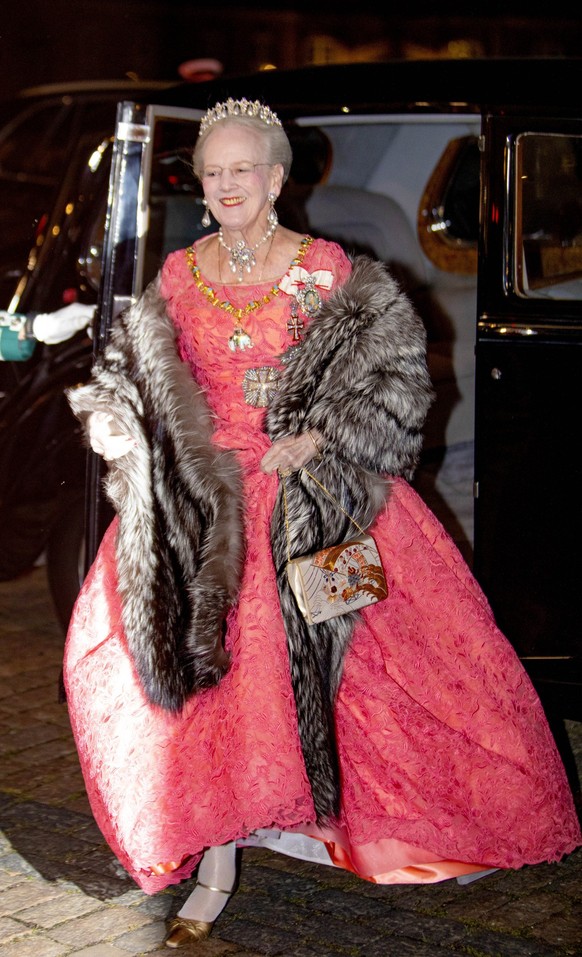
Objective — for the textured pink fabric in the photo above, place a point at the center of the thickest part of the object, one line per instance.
(443, 743)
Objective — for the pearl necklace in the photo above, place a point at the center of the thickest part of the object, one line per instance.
(242, 257)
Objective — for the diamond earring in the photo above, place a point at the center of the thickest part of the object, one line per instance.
(206, 215)
(272, 217)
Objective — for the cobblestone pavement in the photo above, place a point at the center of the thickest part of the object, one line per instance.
(62, 892)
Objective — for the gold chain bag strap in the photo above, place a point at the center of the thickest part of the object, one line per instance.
(339, 579)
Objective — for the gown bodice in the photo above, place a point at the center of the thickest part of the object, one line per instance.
(206, 315)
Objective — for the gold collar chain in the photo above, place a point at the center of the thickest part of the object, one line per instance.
(235, 311)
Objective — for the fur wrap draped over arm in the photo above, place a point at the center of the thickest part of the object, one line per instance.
(178, 498)
(361, 379)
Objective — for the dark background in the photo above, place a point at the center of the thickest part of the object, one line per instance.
(47, 41)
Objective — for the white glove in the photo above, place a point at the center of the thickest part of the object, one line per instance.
(105, 440)
(54, 327)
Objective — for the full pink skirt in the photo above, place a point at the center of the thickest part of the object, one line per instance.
(447, 762)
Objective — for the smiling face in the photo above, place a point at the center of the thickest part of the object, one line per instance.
(237, 179)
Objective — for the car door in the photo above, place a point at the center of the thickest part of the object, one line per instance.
(154, 206)
(528, 450)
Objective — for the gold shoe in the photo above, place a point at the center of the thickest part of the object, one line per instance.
(184, 931)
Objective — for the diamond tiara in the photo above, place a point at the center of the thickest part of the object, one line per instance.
(242, 107)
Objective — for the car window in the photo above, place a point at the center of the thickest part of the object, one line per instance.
(376, 173)
(175, 196)
(460, 201)
(39, 142)
(548, 216)
(448, 217)
(35, 144)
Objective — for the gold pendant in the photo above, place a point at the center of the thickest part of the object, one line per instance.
(240, 340)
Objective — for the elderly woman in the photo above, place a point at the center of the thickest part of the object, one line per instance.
(265, 391)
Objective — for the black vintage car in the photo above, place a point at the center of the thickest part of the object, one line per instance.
(55, 149)
(466, 177)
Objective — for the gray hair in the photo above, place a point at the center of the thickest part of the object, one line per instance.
(275, 137)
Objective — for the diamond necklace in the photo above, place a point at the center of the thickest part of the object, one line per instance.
(242, 257)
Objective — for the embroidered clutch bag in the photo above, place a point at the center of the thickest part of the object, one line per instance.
(338, 579)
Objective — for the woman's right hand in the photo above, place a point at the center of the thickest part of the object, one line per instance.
(105, 440)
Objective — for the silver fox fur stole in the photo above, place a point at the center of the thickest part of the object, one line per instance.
(360, 378)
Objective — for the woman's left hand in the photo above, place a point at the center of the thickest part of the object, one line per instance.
(292, 452)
